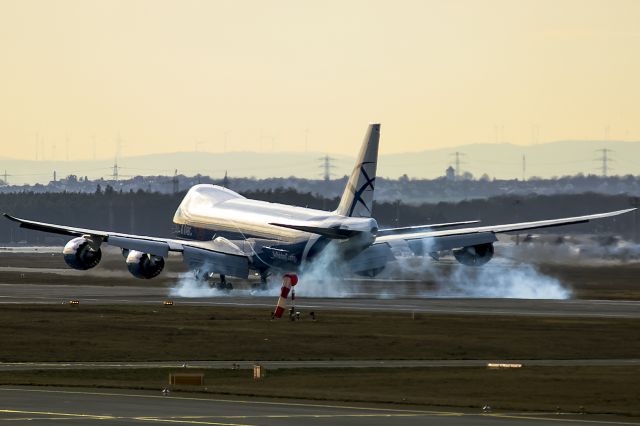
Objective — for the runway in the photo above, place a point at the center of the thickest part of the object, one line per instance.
(55, 294)
(20, 405)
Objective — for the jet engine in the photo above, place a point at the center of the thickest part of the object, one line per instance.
(79, 254)
(476, 255)
(144, 265)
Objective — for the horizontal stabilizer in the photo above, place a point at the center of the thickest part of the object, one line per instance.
(333, 233)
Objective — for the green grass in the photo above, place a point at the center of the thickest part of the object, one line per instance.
(141, 333)
(597, 389)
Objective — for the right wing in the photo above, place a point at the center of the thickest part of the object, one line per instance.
(219, 255)
(432, 241)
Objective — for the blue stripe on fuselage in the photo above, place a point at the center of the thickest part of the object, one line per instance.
(266, 254)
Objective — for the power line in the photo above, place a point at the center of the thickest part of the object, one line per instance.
(326, 166)
(114, 175)
(176, 183)
(457, 162)
(605, 159)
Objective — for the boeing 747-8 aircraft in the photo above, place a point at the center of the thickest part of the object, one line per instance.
(221, 232)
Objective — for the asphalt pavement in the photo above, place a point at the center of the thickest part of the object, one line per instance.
(60, 406)
(21, 293)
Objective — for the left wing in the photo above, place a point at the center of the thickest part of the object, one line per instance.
(219, 254)
(434, 240)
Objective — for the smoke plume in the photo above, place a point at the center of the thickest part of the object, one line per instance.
(511, 274)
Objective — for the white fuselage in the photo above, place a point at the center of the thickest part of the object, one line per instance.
(209, 211)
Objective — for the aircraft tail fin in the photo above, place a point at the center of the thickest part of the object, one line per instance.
(357, 199)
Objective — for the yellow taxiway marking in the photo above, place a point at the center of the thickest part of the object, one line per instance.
(237, 401)
(302, 416)
(66, 415)
(30, 419)
(381, 412)
(59, 416)
(184, 422)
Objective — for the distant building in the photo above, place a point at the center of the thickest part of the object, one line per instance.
(450, 173)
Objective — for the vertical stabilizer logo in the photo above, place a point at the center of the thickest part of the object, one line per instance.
(357, 195)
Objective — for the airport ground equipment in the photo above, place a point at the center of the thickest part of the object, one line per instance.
(288, 282)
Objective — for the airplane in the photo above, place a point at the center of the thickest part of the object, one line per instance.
(218, 231)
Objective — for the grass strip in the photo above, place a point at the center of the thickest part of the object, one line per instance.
(613, 390)
(143, 333)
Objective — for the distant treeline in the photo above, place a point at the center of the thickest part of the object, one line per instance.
(151, 213)
(410, 191)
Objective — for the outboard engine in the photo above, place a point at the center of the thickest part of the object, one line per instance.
(144, 265)
(79, 254)
(474, 255)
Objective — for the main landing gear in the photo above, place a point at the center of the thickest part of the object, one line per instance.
(264, 276)
(223, 284)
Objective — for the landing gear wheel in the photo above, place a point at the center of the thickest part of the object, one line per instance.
(200, 275)
(264, 275)
(223, 284)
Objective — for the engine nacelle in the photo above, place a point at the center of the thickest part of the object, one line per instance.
(79, 254)
(476, 255)
(144, 265)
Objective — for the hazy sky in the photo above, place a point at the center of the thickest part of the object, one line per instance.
(168, 74)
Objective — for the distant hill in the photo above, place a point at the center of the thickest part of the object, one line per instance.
(503, 161)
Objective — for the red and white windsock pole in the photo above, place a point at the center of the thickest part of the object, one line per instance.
(288, 282)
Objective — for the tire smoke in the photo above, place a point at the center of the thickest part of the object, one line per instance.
(511, 274)
(190, 286)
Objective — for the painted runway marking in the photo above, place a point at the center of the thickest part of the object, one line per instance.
(48, 413)
(235, 401)
(373, 412)
(66, 416)
(187, 422)
(315, 416)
